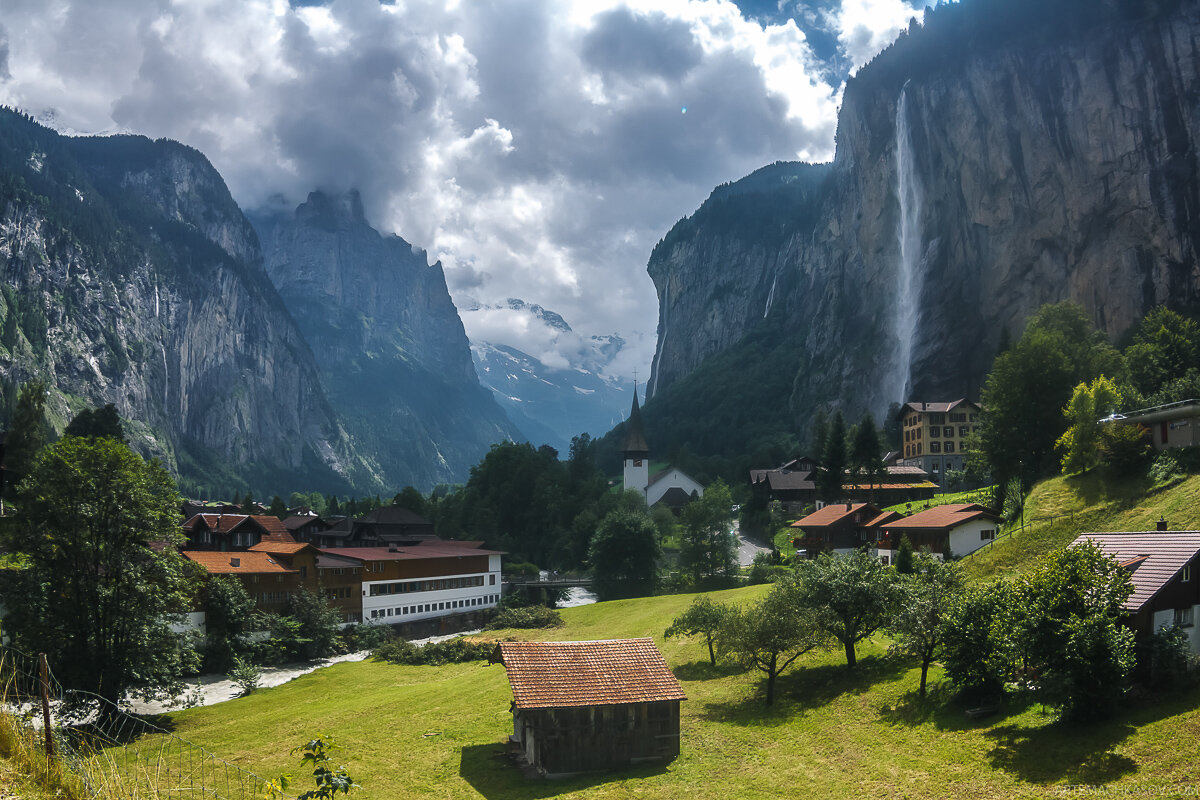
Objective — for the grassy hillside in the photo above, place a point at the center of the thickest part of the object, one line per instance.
(412, 732)
(1060, 509)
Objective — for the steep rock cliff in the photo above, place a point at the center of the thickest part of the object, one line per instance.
(390, 346)
(1047, 152)
(131, 277)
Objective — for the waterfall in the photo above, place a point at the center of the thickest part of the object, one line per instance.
(771, 294)
(909, 276)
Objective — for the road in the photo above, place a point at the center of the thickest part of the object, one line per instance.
(747, 548)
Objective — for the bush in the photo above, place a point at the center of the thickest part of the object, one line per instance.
(366, 637)
(451, 651)
(1165, 468)
(766, 569)
(527, 617)
(245, 674)
(522, 568)
(1163, 658)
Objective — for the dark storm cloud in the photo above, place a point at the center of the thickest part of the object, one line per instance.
(537, 148)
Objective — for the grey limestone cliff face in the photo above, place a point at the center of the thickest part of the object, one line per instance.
(391, 348)
(154, 300)
(1045, 172)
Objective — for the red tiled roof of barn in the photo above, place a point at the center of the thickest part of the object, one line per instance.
(610, 672)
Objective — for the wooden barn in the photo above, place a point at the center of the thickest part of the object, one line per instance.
(591, 706)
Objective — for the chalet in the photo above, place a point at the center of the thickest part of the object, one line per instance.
(383, 527)
(794, 485)
(591, 706)
(839, 528)
(423, 580)
(1165, 569)
(1171, 425)
(305, 527)
(233, 532)
(956, 528)
(935, 435)
(269, 581)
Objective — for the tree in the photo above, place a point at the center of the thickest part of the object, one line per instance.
(95, 596)
(412, 499)
(278, 508)
(1080, 444)
(708, 547)
(624, 553)
(772, 634)
(1031, 383)
(1071, 603)
(904, 556)
(665, 522)
(979, 650)
(100, 422)
(852, 596)
(1125, 448)
(228, 611)
(28, 433)
(833, 461)
(1165, 346)
(925, 596)
(318, 623)
(703, 616)
(864, 458)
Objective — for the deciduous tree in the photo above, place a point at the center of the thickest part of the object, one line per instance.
(925, 595)
(708, 547)
(103, 580)
(852, 596)
(624, 552)
(702, 617)
(1080, 443)
(770, 635)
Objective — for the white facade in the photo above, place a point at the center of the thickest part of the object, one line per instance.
(673, 478)
(970, 536)
(637, 474)
(1166, 617)
(406, 599)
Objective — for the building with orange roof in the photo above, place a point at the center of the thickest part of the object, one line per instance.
(232, 532)
(840, 528)
(956, 528)
(591, 706)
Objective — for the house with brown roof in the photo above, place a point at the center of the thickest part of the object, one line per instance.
(268, 580)
(794, 485)
(957, 528)
(591, 706)
(1165, 569)
(233, 532)
(840, 528)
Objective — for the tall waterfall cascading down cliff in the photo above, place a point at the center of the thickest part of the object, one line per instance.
(910, 274)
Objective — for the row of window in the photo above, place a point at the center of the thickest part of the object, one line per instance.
(274, 597)
(946, 432)
(428, 586)
(425, 608)
(338, 593)
(339, 571)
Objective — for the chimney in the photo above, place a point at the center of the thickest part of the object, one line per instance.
(848, 505)
(235, 562)
(1161, 525)
(393, 549)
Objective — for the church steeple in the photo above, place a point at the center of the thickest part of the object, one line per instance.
(635, 450)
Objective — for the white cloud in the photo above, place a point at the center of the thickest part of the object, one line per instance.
(536, 147)
(867, 26)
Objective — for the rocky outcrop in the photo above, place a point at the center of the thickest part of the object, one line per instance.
(131, 277)
(1047, 168)
(390, 346)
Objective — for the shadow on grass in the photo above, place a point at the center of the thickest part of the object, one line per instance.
(803, 689)
(1056, 751)
(491, 773)
(704, 671)
(942, 709)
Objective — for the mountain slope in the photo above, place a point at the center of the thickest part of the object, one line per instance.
(131, 277)
(389, 344)
(1002, 156)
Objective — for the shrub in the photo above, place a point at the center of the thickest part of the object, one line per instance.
(366, 637)
(1165, 468)
(451, 651)
(245, 674)
(526, 617)
(1163, 658)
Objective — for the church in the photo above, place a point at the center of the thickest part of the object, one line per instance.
(670, 486)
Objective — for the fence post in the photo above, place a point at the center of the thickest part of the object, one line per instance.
(44, 668)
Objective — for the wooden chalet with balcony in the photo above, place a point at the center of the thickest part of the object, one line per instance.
(839, 528)
(955, 528)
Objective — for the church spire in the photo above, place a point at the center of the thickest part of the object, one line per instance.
(635, 445)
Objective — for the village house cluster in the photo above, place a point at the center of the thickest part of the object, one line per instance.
(387, 567)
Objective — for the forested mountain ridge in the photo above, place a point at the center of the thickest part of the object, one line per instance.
(131, 277)
(1002, 156)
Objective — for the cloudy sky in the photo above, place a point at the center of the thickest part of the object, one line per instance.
(538, 148)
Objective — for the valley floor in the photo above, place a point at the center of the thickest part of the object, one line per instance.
(412, 732)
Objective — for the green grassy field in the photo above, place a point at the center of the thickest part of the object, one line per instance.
(436, 732)
(1059, 509)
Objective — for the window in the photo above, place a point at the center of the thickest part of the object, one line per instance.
(493, 579)
(963, 431)
(958, 417)
(919, 448)
(304, 572)
(987, 535)
(935, 447)
(1183, 617)
(637, 462)
(949, 447)
(1186, 575)
(947, 431)
(884, 559)
(974, 418)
